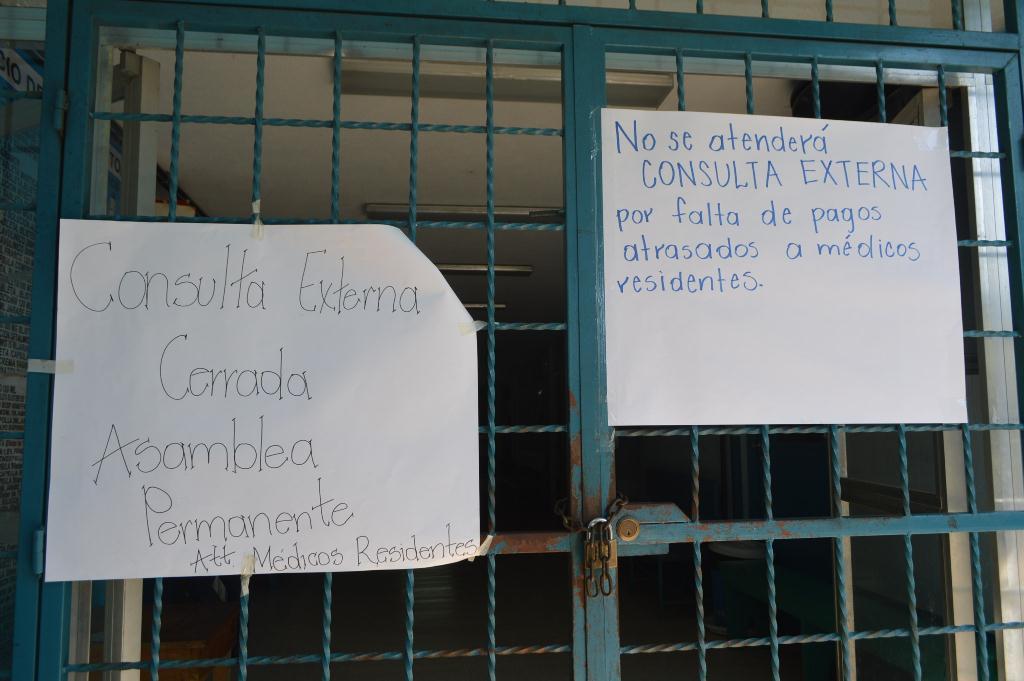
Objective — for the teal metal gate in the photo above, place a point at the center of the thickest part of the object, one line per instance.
(585, 45)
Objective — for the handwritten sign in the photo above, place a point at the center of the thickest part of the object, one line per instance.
(306, 400)
(778, 270)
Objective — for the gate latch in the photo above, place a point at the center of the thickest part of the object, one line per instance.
(601, 549)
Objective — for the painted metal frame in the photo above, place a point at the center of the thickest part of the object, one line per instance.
(76, 201)
(813, 53)
(29, 616)
(583, 36)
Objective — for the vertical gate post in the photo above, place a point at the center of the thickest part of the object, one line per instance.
(575, 370)
(29, 587)
(601, 612)
(73, 44)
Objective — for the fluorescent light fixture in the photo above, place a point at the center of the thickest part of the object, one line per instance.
(513, 82)
(462, 212)
(477, 268)
(483, 306)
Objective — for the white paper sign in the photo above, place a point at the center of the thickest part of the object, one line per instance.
(307, 398)
(761, 269)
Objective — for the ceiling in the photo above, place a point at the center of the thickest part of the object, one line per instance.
(216, 160)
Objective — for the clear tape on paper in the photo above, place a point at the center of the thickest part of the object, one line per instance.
(485, 546)
(466, 328)
(257, 222)
(248, 567)
(51, 366)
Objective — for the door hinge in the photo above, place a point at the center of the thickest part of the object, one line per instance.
(38, 550)
(60, 111)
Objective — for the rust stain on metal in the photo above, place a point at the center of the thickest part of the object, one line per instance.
(572, 400)
(592, 505)
(578, 590)
(531, 542)
(575, 476)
